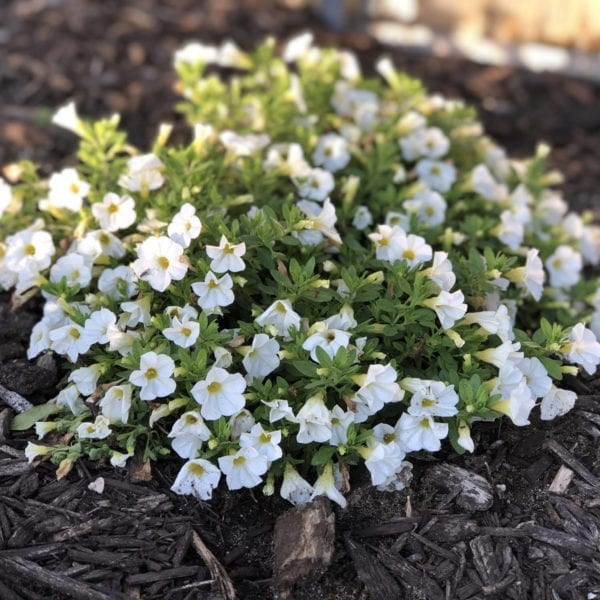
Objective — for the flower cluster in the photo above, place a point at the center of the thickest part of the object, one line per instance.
(334, 270)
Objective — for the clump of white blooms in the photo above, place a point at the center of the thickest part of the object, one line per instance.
(335, 270)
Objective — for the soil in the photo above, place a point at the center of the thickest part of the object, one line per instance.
(60, 539)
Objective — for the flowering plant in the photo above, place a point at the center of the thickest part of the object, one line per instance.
(335, 270)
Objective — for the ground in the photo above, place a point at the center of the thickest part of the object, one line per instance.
(62, 540)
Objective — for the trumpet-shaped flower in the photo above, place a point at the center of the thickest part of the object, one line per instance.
(329, 340)
(531, 276)
(154, 376)
(556, 403)
(294, 488)
(441, 272)
(116, 402)
(86, 378)
(430, 397)
(331, 152)
(214, 293)
(98, 430)
(428, 206)
(115, 212)
(583, 348)
(159, 262)
(261, 359)
(188, 433)
(448, 306)
(325, 486)
(340, 421)
(314, 420)
(316, 184)
(421, 432)
(66, 191)
(220, 393)
(226, 256)
(281, 316)
(185, 226)
(244, 468)
(74, 268)
(197, 478)
(182, 333)
(118, 283)
(29, 248)
(264, 442)
(377, 388)
(144, 174)
(437, 175)
(564, 267)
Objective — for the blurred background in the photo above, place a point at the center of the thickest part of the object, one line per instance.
(530, 67)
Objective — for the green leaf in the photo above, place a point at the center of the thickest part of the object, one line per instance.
(27, 419)
(553, 367)
(323, 456)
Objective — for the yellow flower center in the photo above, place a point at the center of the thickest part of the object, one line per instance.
(424, 423)
(280, 308)
(186, 331)
(190, 420)
(151, 373)
(264, 437)
(239, 461)
(388, 438)
(228, 249)
(384, 241)
(213, 284)
(409, 254)
(196, 469)
(435, 170)
(427, 403)
(104, 239)
(112, 209)
(163, 262)
(214, 387)
(29, 250)
(557, 263)
(74, 188)
(74, 333)
(429, 211)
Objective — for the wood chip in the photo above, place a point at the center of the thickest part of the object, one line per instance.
(473, 492)
(572, 462)
(561, 480)
(14, 400)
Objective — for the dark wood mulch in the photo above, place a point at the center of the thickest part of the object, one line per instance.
(503, 534)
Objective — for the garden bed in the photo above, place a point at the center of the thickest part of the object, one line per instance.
(135, 537)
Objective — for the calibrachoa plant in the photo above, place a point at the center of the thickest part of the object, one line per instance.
(335, 270)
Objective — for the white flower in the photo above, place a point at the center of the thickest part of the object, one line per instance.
(314, 420)
(86, 378)
(583, 348)
(196, 52)
(531, 276)
(510, 231)
(414, 250)
(294, 488)
(437, 175)
(32, 451)
(556, 403)
(441, 272)
(261, 358)
(198, 478)
(362, 217)
(185, 226)
(243, 145)
(188, 433)
(377, 388)
(331, 152)
(448, 306)
(43, 428)
(295, 47)
(279, 409)
(98, 430)
(182, 333)
(39, 339)
(536, 376)
(118, 459)
(264, 442)
(484, 184)
(213, 293)
(286, 158)
(226, 256)
(340, 421)
(430, 142)
(220, 393)
(75, 268)
(122, 341)
(5, 196)
(29, 247)
(136, 312)
(464, 437)
(551, 208)
(98, 243)
(187, 311)
(69, 340)
(118, 283)
(99, 325)
(516, 403)
(241, 422)
(144, 173)
(421, 433)
(67, 118)
(281, 316)
(116, 403)
(66, 190)
(564, 267)
(383, 460)
(316, 184)
(159, 262)
(154, 376)
(429, 207)
(223, 357)
(70, 398)
(244, 468)
(329, 340)
(589, 244)
(325, 486)
(115, 212)
(500, 354)
(321, 222)
(389, 242)
(430, 397)
(496, 322)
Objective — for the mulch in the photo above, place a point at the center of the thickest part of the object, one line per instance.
(519, 519)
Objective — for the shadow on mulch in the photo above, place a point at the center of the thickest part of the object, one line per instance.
(134, 539)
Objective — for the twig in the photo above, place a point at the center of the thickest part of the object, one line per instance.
(214, 566)
(572, 462)
(14, 400)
